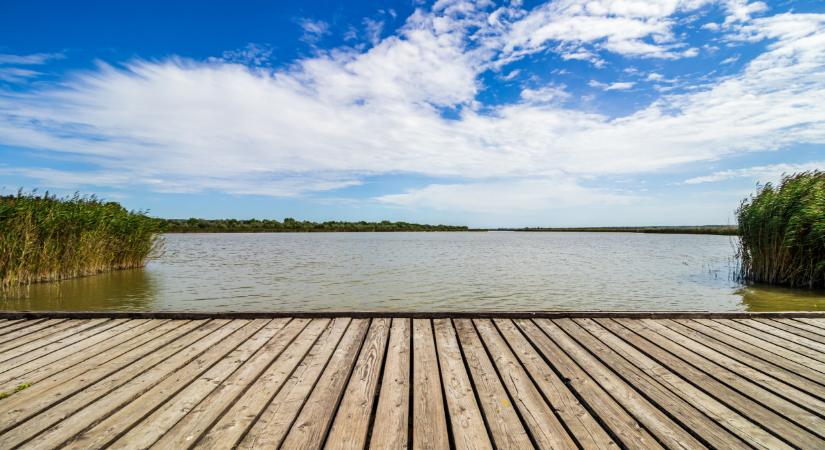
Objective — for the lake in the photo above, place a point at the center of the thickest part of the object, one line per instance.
(502, 271)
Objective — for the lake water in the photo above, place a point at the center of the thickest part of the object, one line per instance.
(504, 271)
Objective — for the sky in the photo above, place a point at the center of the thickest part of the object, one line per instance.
(488, 114)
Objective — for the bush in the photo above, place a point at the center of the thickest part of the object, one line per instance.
(782, 231)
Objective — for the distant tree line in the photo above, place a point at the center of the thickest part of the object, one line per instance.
(289, 224)
(726, 230)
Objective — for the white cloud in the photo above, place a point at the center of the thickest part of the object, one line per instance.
(762, 174)
(16, 74)
(252, 54)
(314, 30)
(331, 120)
(617, 86)
(29, 60)
(498, 197)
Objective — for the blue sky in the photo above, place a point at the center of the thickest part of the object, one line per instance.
(558, 113)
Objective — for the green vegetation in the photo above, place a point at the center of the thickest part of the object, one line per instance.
(726, 230)
(44, 238)
(291, 225)
(783, 232)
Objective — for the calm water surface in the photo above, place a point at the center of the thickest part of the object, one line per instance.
(506, 271)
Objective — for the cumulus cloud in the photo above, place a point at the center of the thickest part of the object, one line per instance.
(331, 120)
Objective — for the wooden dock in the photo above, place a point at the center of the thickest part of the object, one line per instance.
(356, 381)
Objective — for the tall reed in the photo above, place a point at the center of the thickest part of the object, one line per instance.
(45, 238)
(782, 231)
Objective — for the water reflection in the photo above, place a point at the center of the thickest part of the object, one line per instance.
(501, 271)
(125, 290)
(767, 298)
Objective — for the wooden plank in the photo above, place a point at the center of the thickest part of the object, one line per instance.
(802, 325)
(390, 428)
(792, 329)
(542, 424)
(723, 367)
(467, 423)
(315, 418)
(40, 396)
(660, 395)
(238, 395)
(33, 372)
(780, 337)
(429, 419)
(274, 422)
(617, 419)
(586, 430)
(782, 347)
(780, 341)
(350, 426)
(149, 429)
(116, 423)
(35, 350)
(767, 350)
(19, 325)
(33, 339)
(15, 356)
(780, 368)
(42, 427)
(668, 432)
(745, 415)
(818, 322)
(41, 328)
(502, 419)
(26, 372)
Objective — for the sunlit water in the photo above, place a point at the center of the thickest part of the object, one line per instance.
(504, 271)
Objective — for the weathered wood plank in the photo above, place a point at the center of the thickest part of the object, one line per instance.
(48, 426)
(429, 418)
(542, 424)
(586, 430)
(35, 331)
(657, 422)
(33, 351)
(350, 426)
(127, 403)
(390, 428)
(779, 368)
(666, 389)
(722, 366)
(500, 413)
(617, 419)
(429, 382)
(467, 423)
(801, 325)
(216, 362)
(779, 337)
(274, 423)
(312, 424)
(235, 394)
(784, 335)
(40, 396)
(792, 329)
(19, 325)
(746, 416)
(800, 364)
(101, 348)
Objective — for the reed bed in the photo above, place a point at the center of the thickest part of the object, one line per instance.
(46, 238)
(782, 231)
